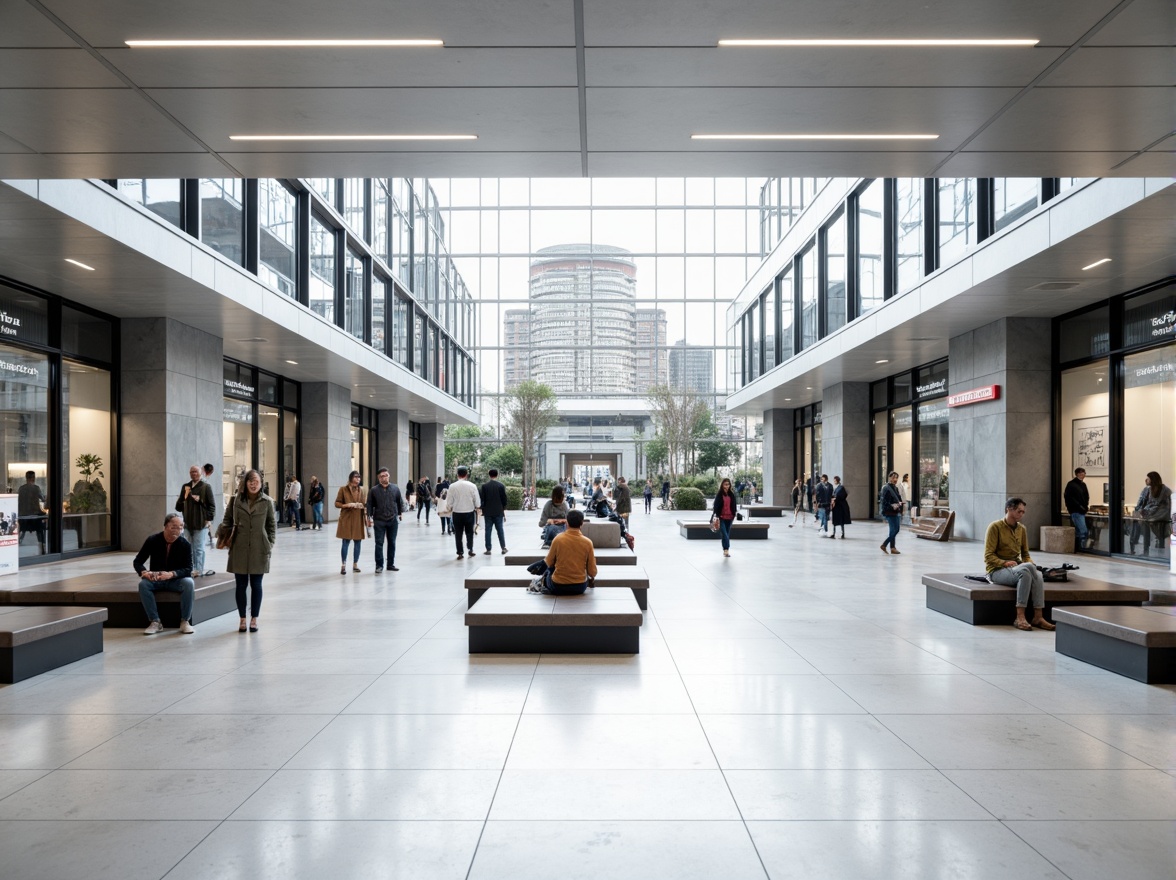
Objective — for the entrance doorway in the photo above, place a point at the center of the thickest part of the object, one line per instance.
(584, 467)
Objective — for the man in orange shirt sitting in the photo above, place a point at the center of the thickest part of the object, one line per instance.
(571, 563)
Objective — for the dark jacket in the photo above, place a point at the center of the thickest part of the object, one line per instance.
(385, 504)
(823, 494)
(159, 555)
(888, 496)
(1077, 496)
(841, 506)
(256, 533)
(622, 499)
(493, 498)
(424, 492)
(318, 493)
(717, 507)
(198, 507)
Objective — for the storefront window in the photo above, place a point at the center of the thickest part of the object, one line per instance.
(85, 335)
(222, 216)
(1150, 318)
(237, 446)
(273, 481)
(934, 461)
(1086, 335)
(901, 430)
(277, 215)
(24, 443)
(1086, 443)
(909, 205)
(87, 467)
(1149, 451)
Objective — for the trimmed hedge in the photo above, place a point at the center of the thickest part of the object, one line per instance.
(689, 498)
(514, 498)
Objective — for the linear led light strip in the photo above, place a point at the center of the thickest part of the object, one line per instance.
(353, 137)
(897, 42)
(297, 44)
(814, 137)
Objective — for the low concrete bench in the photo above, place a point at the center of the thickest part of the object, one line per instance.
(604, 534)
(1139, 643)
(604, 556)
(35, 640)
(118, 593)
(701, 531)
(980, 603)
(764, 510)
(490, 577)
(518, 622)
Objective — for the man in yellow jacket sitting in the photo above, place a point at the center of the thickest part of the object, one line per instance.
(571, 562)
(1006, 556)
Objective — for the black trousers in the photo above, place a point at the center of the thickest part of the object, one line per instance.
(463, 524)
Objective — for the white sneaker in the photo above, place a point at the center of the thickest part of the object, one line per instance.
(152, 628)
(186, 627)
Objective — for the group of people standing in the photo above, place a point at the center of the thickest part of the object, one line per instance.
(828, 501)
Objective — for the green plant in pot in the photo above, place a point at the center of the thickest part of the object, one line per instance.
(88, 494)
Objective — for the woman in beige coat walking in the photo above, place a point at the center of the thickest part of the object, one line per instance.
(250, 518)
(350, 502)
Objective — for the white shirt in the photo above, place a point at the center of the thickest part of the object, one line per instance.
(463, 497)
(294, 491)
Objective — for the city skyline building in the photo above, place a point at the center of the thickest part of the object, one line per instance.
(650, 361)
(691, 368)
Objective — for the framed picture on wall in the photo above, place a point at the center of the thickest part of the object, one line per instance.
(1091, 446)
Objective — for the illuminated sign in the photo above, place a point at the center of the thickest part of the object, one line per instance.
(976, 395)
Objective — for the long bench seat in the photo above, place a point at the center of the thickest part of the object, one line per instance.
(518, 622)
(764, 510)
(37, 639)
(1139, 643)
(700, 530)
(982, 603)
(490, 577)
(604, 556)
(118, 593)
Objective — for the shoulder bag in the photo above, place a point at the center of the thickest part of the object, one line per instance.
(226, 533)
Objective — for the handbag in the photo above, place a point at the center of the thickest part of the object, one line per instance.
(226, 533)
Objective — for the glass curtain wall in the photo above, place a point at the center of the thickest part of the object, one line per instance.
(161, 197)
(958, 216)
(222, 216)
(86, 460)
(909, 215)
(324, 247)
(278, 220)
(833, 236)
(871, 247)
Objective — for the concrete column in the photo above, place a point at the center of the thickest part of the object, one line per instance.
(432, 449)
(392, 429)
(779, 456)
(171, 416)
(1001, 448)
(326, 438)
(845, 442)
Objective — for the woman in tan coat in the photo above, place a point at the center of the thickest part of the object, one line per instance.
(251, 512)
(350, 502)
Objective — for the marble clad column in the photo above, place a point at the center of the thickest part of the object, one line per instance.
(1001, 448)
(171, 412)
(779, 456)
(326, 438)
(432, 449)
(392, 442)
(845, 442)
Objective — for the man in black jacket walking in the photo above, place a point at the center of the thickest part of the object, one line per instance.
(1077, 498)
(385, 508)
(170, 556)
(494, 509)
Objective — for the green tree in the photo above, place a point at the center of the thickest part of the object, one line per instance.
(714, 453)
(462, 445)
(678, 415)
(531, 410)
(656, 454)
(507, 459)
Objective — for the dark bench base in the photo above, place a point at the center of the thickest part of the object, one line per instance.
(25, 661)
(555, 639)
(1149, 665)
(739, 532)
(985, 612)
(764, 510)
(131, 614)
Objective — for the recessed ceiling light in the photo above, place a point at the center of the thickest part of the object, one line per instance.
(295, 363)
(878, 42)
(1099, 263)
(814, 137)
(80, 265)
(296, 44)
(786, 399)
(254, 339)
(353, 137)
(883, 361)
(808, 388)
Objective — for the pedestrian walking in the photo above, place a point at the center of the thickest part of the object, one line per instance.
(350, 501)
(840, 508)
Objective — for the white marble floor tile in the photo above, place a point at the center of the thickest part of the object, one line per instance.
(274, 694)
(46, 742)
(862, 795)
(1108, 795)
(833, 656)
(372, 795)
(610, 742)
(607, 695)
(929, 694)
(1090, 694)
(452, 657)
(620, 795)
(737, 656)
(818, 627)
(1101, 850)
(1150, 738)
(769, 695)
(786, 742)
(442, 695)
(989, 656)
(654, 659)
(409, 742)
(15, 780)
(887, 850)
(691, 628)
(585, 850)
(108, 695)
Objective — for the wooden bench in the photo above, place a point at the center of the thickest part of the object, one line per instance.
(518, 622)
(765, 510)
(981, 603)
(491, 577)
(118, 593)
(937, 527)
(1139, 643)
(35, 640)
(604, 556)
(701, 531)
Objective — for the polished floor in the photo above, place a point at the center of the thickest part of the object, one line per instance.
(795, 712)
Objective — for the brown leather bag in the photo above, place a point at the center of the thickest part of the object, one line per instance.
(225, 533)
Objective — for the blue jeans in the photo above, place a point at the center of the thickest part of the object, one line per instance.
(317, 507)
(895, 523)
(495, 523)
(565, 589)
(294, 513)
(1080, 530)
(823, 518)
(725, 532)
(186, 587)
(355, 556)
(197, 537)
(386, 531)
(253, 581)
(550, 531)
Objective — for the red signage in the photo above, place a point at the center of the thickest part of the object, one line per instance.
(976, 395)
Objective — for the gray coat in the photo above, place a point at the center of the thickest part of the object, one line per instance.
(256, 533)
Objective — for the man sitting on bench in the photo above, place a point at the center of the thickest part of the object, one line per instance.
(1006, 556)
(571, 563)
(170, 556)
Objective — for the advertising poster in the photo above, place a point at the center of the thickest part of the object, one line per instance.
(9, 536)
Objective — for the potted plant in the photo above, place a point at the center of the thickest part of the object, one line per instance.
(89, 496)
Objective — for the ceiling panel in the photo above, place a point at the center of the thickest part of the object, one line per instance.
(1114, 66)
(10, 145)
(407, 164)
(1155, 163)
(108, 23)
(54, 69)
(333, 68)
(1082, 119)
(668, 117)
(1143, 23)
(1057, 164)
(665, 23)
(503, 119)
(25, 26)
(717, 163)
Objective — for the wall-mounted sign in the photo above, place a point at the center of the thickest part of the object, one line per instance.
(239, 388)
(23, 316)
(9, 535)
(976, 395)
(931, 388)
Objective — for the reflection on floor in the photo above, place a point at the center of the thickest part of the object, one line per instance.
(795, 711)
